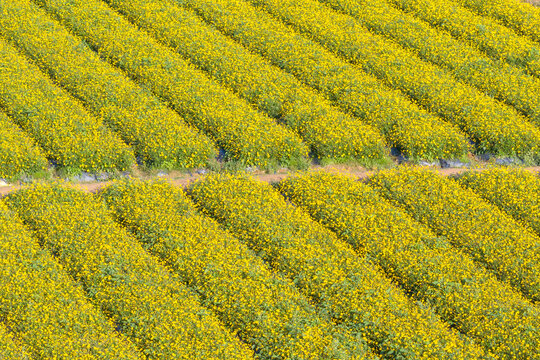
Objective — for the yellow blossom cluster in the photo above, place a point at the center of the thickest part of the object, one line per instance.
(516, 191)
(158, 134)
(486, 233)
(496, 40)
(495, 127)
(46, 310)
(349, 288)
(58, 123)
(416, 132)
(19, 155)
(264, 309)
(144, 300)
(505, 82)
(328, 132)
(246, 134)
(466, 296)
(514, 14)
(10, 349)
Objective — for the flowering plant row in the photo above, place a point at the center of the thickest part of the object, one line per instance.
(140, 295)
(486, 233)
(515, 191)
(263, 308)
(495, 127)
(466, 296)
(10, 349)
(343, 284)
(514, 14)
(247, 135)
(494, 39)
(158, 134)
(46, 310)
(329, 133)
(505, 82)
(63, 128)
(405, 125)
(19, 155)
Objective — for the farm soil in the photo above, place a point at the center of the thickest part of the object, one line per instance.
(182, 179)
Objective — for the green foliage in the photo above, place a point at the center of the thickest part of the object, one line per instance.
(58, 123)
(466, 296)
(45, 308)
(157, 134)
(419, 134)
(264, 309)
(486, 233)
(140, 295)
(245, 133)
(347, 287)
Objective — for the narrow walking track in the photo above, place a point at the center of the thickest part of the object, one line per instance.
(181, 180)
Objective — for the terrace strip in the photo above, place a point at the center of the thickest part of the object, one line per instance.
(9, 348)
(516, 15)
(463, 294)
(515, 191)
(330, 134)
(504, 82)
(497, 41)
(68, 134)
(185, 179)
(349, 288)
(19, 155)
(246, 135)
(490, 236)
(493, 126)
(159, 136)
(145, 301)
(45, 309)
(264, 309)
(419, 134)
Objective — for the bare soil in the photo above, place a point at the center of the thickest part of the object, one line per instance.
(182, 179)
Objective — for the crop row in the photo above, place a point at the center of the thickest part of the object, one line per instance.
(515, 191)
(502, 81)
(517, 15)
(495, 127)
(405, 125)
(142, 298)
(496, 40)
(487, 234)
(44, 308)
(263, 308)
(9, 348)
(158, 134)
(466, 296)
(59, 124)
(246, 134)
(348, 287)
(19, 155)
(329, 133)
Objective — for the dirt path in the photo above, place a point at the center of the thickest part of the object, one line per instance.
(183, 180)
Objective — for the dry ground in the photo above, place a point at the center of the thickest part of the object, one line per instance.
(182, 179)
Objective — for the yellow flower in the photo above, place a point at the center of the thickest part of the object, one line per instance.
(58, 123)
(263, 308)
(515, 191)
(348, 287)
(158, 134)
(230, 121)
(144, 300)
(431, 270)
(490, 236)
